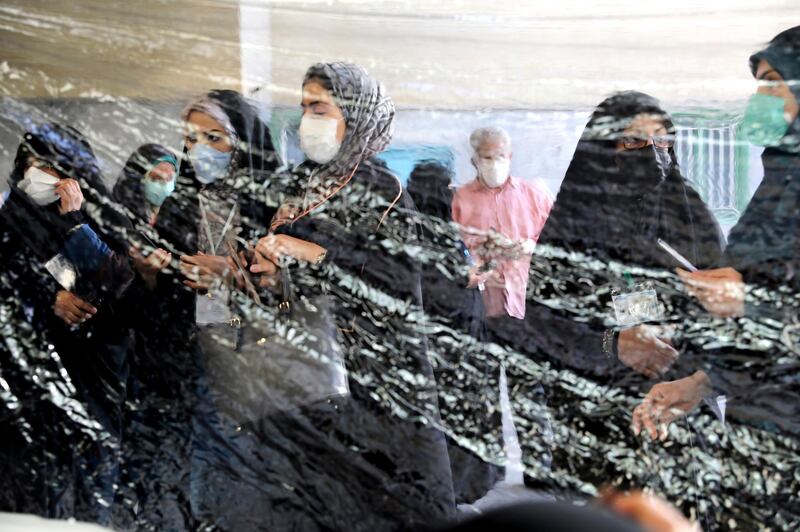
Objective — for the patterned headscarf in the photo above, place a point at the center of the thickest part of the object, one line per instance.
(369, 120)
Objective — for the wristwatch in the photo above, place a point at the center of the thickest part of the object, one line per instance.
(610, 340)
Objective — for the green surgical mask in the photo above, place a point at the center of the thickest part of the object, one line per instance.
(156, 192)
(764, 123)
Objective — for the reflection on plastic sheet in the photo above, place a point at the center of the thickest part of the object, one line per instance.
(264, 268)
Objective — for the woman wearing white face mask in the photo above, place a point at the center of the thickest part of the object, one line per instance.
(372, 459)
(63, 260)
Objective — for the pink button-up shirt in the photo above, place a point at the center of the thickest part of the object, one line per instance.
(518, 210)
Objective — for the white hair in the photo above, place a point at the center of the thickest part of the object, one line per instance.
(493, 134)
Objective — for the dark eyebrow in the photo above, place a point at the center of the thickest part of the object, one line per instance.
(313, 102)
(765, 74)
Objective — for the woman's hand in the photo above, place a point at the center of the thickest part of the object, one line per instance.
(647, 349)
(72, 309)
(668, 401)
(71, 196)
(720, 291)
(274, 247)
(203, 271)
(268, 272)
(148, 267)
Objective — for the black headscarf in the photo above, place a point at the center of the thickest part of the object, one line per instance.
(42, 227)
(252, 164)
(369, 125)
(429, 187)
(783, 54)
(765, 244)
(616, 205)
(129, 189)
(253, 155)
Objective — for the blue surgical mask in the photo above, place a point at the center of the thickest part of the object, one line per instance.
(156, 192)
(209, 164)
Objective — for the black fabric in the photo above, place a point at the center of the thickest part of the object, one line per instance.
(94, 354)
(444, 297)
(614, 206)
(367, 462)
(546, 516)
(601, 235)
(782, 53)
(429, 187)
(349, 227)
(447, 300)
(765, 243)
(167, 374)
(759, 376)
(252, 163)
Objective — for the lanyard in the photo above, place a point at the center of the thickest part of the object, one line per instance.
(207, 226)
(628, 278)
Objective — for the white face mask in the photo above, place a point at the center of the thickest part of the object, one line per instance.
(318, 138)
(39, 186)
(494, 172)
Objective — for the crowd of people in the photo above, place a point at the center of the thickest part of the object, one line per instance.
(225, 342)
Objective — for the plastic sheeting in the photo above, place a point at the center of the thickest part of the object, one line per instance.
(151, 379)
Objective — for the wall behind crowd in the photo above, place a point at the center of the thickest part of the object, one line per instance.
(543, 142)
(120, 71)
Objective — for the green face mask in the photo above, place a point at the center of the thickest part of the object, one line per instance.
(764, 123)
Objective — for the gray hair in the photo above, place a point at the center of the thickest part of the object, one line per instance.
(495, 134)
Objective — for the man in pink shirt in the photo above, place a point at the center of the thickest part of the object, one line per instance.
(501, 217)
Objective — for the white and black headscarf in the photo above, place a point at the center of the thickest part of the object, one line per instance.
(369, 120)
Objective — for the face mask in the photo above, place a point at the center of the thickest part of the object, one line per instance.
(648, 166)
(494, 172)
(318, 138)
(156, 192)
(764, 122)
(209, 164)
(39, 186)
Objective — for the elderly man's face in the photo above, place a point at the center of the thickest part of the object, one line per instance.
(492, 160)
(492, 151)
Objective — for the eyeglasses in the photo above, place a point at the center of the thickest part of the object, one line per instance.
(660, 141)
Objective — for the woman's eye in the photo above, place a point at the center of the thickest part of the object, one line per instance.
(213, 138)
(190, 139)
